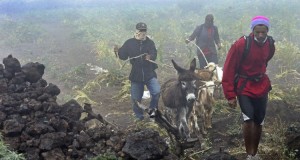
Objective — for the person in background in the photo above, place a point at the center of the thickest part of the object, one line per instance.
(247, 80)
(207, 37)
(141, 51)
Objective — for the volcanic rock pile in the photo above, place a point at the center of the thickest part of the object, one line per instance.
(33, 123)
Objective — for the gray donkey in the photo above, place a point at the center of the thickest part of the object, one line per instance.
(178, 96)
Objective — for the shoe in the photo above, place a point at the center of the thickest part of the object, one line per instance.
(256, 157)
(249, 157)
(152, 119)
(152, 113)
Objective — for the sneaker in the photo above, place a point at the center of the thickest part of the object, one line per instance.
(152, 113)
(256, 157)
(249, 157)
(152, 119)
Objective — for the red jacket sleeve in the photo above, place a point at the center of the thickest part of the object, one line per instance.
(231, 68)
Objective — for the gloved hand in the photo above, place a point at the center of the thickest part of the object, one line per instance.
(116, 50)
(148, 57)
(232, 103)
(187, 41)
(219, 46)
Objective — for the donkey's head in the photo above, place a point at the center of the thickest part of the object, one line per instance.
(187, 80)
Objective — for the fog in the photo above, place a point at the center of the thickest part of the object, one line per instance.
(74, 39)
(81, 30)
(15, 6)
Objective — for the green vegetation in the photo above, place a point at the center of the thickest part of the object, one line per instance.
(6, 154)
(106, 156)
(274, 141)
(18, 32)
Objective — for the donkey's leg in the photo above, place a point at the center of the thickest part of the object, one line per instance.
(168, 114)
(182, 122)
(202, 118)
(209, 116)
(196, 128)
(193, 121)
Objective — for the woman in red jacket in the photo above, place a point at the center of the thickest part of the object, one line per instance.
(245, 78)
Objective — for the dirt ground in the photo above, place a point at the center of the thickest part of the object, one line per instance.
(62, 50)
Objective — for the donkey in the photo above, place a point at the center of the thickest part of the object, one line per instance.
(178, 96)
(203, 108)
(212, 72)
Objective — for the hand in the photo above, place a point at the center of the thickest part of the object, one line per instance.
(232, 103)
(187, 41)
(116, 50)
(219, 46)
(147, 57)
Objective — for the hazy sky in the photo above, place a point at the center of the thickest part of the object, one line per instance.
(15, 6)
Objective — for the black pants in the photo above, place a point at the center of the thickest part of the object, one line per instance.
(209, 58)
(253, 108)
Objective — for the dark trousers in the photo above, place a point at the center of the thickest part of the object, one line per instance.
(253, 108)
(209, 58)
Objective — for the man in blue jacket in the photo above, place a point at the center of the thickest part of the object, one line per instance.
(141, 51)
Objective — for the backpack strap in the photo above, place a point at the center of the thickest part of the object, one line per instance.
(271, 43)
(244, 55)
(271, 40)
(272, 48)
(248, 41)
(247, 48)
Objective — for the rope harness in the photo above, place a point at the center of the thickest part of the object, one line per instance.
(200, 51)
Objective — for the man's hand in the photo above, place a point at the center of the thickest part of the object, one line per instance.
(187, 41)
(219, 46)
(116, 50)
(147, 57)
(232, 103)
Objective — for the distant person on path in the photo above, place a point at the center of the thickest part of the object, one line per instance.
(207, 37)
(141, 50)
(245, 77)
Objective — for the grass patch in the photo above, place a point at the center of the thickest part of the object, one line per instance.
(6, 154)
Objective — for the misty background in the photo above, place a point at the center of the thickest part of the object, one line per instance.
(67, 35)
(74, 39)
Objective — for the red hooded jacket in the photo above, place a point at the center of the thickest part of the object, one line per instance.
(254, 64)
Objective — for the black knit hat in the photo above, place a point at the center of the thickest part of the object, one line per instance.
(140, 26)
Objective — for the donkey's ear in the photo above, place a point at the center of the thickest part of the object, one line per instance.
(193, 65)
(178, 68)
